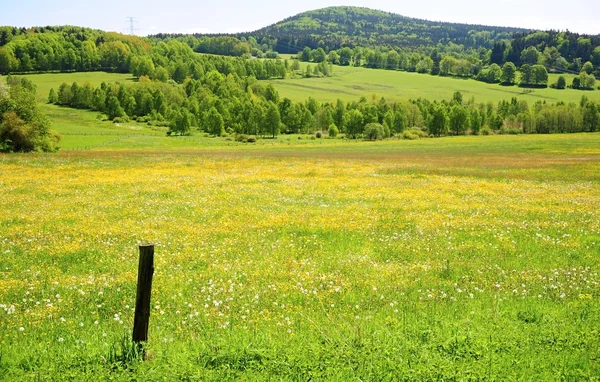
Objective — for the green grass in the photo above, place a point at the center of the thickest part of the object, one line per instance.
(456, 258)
(350, 84)
(84, 129)
(45, 82)
(466, 258)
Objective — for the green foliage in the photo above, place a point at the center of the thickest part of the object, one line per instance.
(161, 74)
(245, 138)
(15, 136)
(585, 81)
(23, 127)
(142, 66)
(354, 123)
(437, 123)
(185, 107)
(561, 83)
(413, 134)
(455, 67)
(52, 96)
(534, 76)
(531, 56)
(214, 123)
(374, 132)
(509, 74)
(491, 75)
(318, 55)
(222, 45)
(486, 130)
(113, 108)
(181, 122)
(458, 119)
(591, 117)
(333, 131)
(272, 120)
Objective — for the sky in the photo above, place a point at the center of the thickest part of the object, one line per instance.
(201, 16)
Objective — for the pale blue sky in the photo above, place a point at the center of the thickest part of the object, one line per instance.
(187, 16)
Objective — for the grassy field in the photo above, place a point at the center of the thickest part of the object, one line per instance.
(459, 258)
(350, 84)
(463, 258)
(45, 82)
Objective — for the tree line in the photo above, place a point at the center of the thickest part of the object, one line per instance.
(220, 105)
(529, 75)
(82, 49)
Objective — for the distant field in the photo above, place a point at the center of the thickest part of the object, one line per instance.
(350, 84)
(45, 82)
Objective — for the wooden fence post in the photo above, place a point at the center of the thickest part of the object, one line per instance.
(142, 301)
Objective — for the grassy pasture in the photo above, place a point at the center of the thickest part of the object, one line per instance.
(453, 258)
(45, 82)
(350, 84)
(83, 129)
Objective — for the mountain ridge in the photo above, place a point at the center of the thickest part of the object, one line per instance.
(353, 26)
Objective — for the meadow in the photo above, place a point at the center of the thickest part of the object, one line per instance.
(456, 258)
(461, 258)
(351, 83)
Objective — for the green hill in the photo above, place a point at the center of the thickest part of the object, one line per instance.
(334, 27)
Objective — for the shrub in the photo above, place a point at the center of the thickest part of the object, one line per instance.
(374, 131)
(486, 131)
(241, 138)
(410, 135)
(15, 135)
(561, 83)
(245, 138)
(413, 134)
(121, 119)
(386, 131)
(333, 130)
(52, 97)
(319, 135)
(18, 136)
